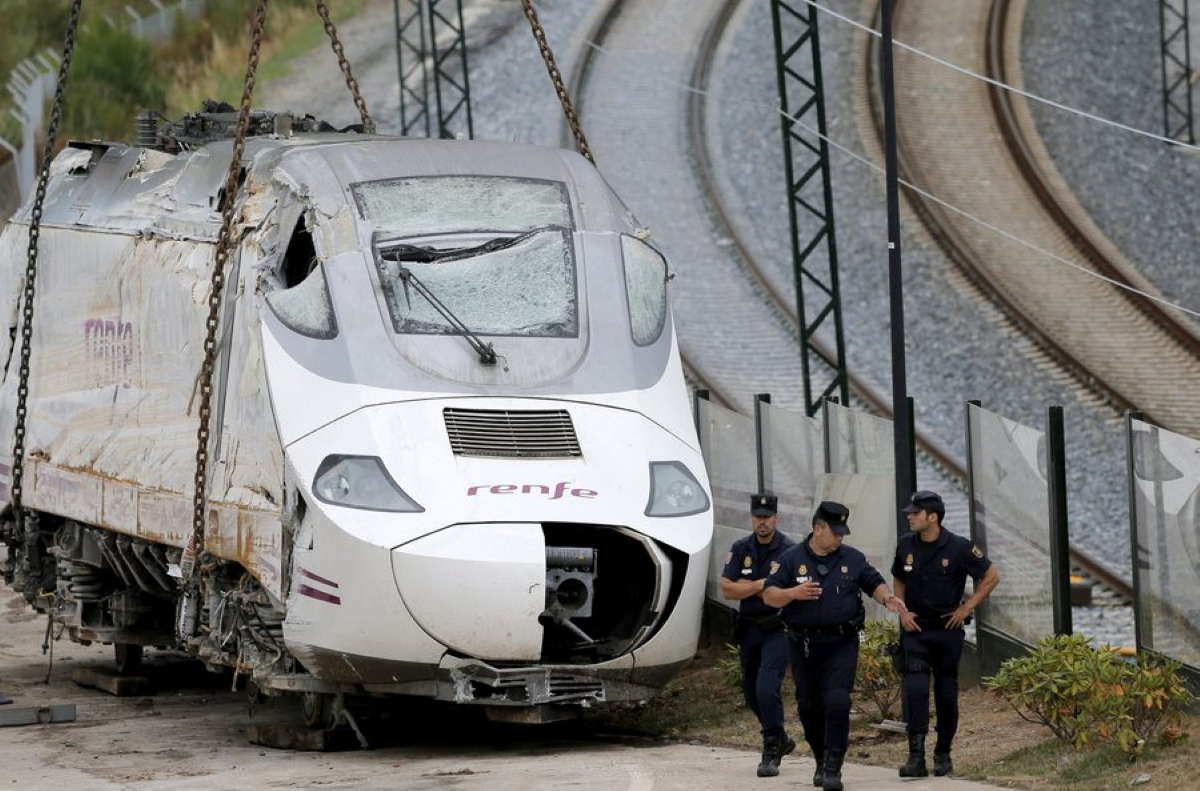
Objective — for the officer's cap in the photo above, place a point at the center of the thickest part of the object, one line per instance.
(834, 515)
(925, 501)
(763, 504)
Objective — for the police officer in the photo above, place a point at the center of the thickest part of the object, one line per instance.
(818, 585)
(758, 629)
(930, 573)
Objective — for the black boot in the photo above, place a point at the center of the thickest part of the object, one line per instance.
(942, 765)
(787, 745)
(819, 775)
(915, 767)
(832, 781)
(771, 753)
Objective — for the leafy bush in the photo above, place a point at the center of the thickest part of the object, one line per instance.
(1148, 704)
(875, 677)
(1082, 693)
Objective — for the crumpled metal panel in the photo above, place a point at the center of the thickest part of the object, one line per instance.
(112, 420)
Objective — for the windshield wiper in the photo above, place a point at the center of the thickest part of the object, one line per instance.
(487, 355)
(423, 255)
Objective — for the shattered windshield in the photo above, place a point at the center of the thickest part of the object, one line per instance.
(456, 204)
(522, 285)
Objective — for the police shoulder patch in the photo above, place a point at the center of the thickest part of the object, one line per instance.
(774, 566)
(728, 557)
(976, 551)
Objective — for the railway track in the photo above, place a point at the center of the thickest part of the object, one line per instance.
(1113, 587)
(1111, 341)
(1078, 304)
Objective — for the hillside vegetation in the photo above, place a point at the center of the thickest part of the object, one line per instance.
(114, 75)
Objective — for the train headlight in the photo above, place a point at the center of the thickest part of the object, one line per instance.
(360, 482)
(674, 491)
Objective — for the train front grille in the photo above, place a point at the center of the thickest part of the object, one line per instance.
(504, 433)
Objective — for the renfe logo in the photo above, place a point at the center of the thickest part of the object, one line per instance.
(560, 489)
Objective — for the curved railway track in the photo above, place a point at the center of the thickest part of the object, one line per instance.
(1115, 344)
(765, 287)
(1112, 342)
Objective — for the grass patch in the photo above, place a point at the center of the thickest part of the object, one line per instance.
(1055, 766)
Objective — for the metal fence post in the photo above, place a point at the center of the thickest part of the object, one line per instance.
(1060, 549)
(1135, 556)
(762, 428)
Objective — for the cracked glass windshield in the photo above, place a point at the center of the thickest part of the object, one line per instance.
(525, 286)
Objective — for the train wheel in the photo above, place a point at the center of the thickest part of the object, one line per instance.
(129, 657)
(317, 709)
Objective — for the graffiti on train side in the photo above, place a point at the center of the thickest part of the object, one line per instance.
(109, 348)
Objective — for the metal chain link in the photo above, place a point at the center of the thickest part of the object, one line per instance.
(351, 83)
(225, 243)
(35, 225)
(560, 87)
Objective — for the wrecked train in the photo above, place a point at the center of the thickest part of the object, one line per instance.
(452, 454)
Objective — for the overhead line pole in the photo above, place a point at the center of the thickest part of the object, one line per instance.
(902, 420)
(1176, 58)
(810, 201)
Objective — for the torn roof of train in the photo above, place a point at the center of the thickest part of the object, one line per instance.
(134, 190)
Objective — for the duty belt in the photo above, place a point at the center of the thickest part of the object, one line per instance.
(771, 621)
(802, 636)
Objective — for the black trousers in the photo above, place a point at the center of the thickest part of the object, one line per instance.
(823, 670)
(935, 651)
(764, 663)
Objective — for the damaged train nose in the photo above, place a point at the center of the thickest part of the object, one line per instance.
(537, 592)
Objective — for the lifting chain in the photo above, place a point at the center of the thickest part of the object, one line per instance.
(225, 244)
(351, 83)
(35, 225)
(560, 87)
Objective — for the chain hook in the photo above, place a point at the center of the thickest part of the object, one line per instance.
(35, 225)
(344, 65)
(225, 244)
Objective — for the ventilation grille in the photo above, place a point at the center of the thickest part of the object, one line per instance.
(512, 435)
(560, 686)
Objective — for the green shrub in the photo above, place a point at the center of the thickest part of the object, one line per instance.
(1148, 704)
(730, 667)
(1056, 685)
(875, 678)
(113, 75)
(1083, 694)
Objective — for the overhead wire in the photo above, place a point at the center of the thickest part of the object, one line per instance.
(688, 88)
(1002, 85)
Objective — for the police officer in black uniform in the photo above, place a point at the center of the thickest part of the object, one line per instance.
(758, 629)
(930, 573)
(819, 584)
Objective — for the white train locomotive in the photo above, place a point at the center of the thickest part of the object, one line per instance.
(452, 452)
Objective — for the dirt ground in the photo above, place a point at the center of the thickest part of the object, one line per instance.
(190, 732)
(994, 743)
